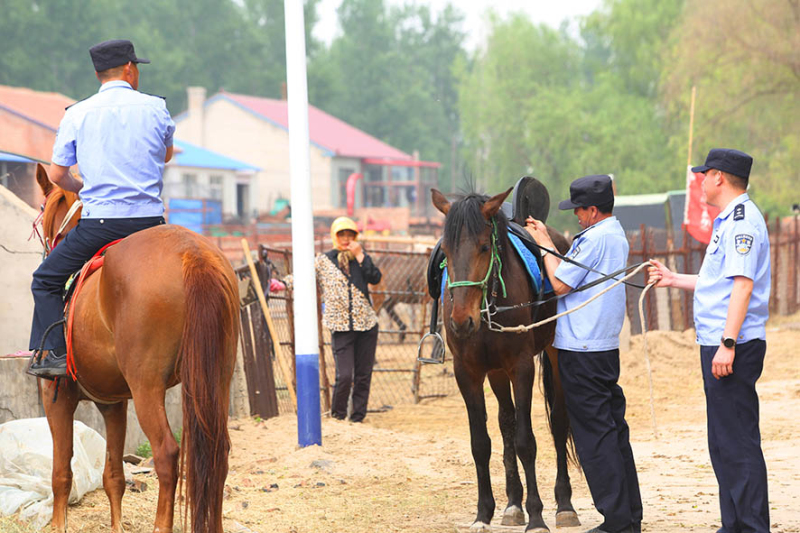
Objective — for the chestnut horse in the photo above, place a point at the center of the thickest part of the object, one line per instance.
(477, 248)
(162, 310)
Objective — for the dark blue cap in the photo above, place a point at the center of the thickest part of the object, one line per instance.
(727, 160)
(588, 191)
(110, 54)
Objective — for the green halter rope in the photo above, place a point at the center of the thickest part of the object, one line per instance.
(484, 284)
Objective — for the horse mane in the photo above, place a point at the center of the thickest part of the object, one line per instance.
(52, 201)
(465, 216)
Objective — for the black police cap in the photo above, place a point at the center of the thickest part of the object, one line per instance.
(110, 54)
(727, 160)
(588, 191)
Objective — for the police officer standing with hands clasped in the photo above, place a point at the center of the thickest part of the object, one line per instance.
(588, 351)
(731, 307)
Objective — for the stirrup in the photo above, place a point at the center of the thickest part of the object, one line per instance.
(437, 349)
(34, 368)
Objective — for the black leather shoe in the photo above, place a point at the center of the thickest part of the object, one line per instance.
(51, 366)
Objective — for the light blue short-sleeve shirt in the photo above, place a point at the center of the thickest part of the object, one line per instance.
(119, 139)
(596, 327)
(739, 247)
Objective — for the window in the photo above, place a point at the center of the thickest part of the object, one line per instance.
(215, 187)
(189, 185)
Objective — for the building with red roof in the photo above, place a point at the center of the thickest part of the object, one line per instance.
(28, 123)
(256, 130)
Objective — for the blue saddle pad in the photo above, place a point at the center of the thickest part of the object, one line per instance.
(528, 259)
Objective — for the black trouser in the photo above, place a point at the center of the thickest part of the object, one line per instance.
(77, 247)
(596, 407)
(354, 352)
(734, 439)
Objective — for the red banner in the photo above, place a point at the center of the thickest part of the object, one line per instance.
(698, 216)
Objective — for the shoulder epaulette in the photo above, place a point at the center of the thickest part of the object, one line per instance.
(738, 212)
(156, 95)
(78, 102)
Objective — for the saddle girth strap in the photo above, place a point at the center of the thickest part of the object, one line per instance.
(94, 264)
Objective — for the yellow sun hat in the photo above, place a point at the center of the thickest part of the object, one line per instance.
(342, 223)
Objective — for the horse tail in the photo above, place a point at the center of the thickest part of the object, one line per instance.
(206, 358)
(549, 386)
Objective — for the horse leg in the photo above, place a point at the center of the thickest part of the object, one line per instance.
(525, 442)
(471, 386)
(149, 404)
(116, 418)
(60, 416)
(559, 425)
(513, 515)
(390, 303)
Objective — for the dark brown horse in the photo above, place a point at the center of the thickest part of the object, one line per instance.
(162, 310)
(477, 246)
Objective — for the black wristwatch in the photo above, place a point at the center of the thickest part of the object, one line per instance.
(728, 342)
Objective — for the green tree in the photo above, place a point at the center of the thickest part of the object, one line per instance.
(390, 74)
(744, 58)
(539, 102)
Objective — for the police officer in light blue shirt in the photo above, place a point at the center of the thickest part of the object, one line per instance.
(120, 139)
(731, 297)
(588, 351)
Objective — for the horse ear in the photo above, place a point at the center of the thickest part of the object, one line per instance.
(492, 205)
(439, 201)
(43, 180)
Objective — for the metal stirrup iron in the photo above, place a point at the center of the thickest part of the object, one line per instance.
(437, 350)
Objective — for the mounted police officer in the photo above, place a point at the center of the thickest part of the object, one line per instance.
(120, 139)
(731, 307)
(588, 351)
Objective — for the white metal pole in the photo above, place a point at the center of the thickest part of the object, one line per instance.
(305, 296)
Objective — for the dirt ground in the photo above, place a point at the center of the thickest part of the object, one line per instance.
(410, 469)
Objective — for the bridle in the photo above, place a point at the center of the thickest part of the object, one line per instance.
(493, 273)
(38, 229)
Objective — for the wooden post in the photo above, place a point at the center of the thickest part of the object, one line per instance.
(687, 254)
(691, 126)
(290, 316)
(323, 367)
(773, 304)
(647, 302)
(286, 374)
(796, 267)
(417, 379)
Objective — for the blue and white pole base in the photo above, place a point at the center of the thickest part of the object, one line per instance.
(309, 430)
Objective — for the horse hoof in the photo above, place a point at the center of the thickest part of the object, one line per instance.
(567, 519)
(538, 530)
(513, 516)
(480, 527)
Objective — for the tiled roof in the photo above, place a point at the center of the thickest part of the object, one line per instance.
(325, 131)
(43, 108)
(189, 155)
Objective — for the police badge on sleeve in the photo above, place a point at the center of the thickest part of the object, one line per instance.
(743, 243)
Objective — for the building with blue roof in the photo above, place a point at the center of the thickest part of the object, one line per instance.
(198, 174)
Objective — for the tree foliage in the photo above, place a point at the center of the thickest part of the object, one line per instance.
(544, 103)
(532, 100)
(744, 58)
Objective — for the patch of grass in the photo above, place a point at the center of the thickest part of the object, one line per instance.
(145, 450)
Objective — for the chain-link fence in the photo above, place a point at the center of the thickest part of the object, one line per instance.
(673, 308)
(403, 307)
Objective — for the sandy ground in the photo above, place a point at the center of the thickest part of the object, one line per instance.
(410, 469)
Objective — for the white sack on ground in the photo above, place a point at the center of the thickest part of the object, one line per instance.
(26, 464)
